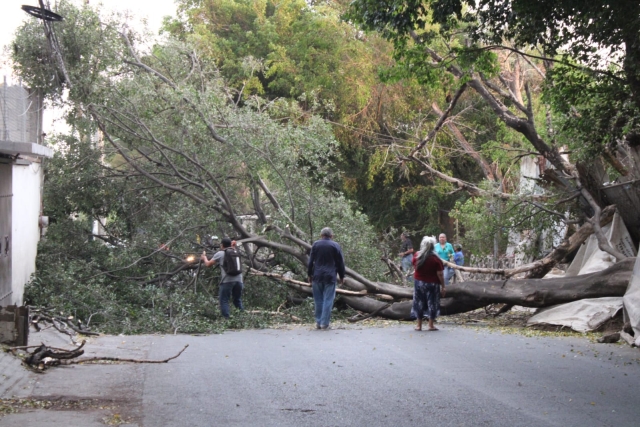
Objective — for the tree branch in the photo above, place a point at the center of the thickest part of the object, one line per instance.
(440, 121)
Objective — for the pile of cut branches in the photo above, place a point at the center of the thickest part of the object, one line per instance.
(42, 318)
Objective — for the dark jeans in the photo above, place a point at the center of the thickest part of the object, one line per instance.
(227, 290)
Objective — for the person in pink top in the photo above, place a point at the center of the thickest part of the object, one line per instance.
(428, 283)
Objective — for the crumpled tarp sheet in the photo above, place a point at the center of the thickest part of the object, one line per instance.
(632, 301)
(588, 314)
(583, 316)
(591, 259)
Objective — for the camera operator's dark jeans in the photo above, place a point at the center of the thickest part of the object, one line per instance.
(227, 290)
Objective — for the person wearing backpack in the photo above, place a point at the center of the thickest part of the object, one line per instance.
(231, 270)
(326, 264)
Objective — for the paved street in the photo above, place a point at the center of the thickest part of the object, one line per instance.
(389, 376)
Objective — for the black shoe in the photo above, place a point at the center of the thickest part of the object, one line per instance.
(318, 326)
(325, 328)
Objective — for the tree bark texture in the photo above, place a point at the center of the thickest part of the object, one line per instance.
(467, 296)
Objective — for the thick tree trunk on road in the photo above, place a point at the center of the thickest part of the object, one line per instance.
(545, 292)
(467, 296)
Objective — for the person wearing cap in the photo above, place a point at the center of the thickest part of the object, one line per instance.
(326, 265)
(230, 286)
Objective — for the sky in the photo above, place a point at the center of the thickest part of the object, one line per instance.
(12, 16)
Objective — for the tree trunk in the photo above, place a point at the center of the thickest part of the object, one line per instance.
(467, 296)
(545, 292)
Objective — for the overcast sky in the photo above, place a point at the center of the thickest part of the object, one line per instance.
(12, 16)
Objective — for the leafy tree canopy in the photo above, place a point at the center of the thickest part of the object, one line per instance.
(160, 155)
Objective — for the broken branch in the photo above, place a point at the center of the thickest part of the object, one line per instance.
(119, 359)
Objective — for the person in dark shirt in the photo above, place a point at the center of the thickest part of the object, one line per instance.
(326, 263)
(429, 283)
(406, 255)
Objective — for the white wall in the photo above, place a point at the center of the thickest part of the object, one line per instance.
(25, 229)
(6, 188)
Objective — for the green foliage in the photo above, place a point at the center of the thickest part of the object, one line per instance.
(501, 145)
(594, 110)
(589, 32)
(486, 219)
(304, 49)
(594, 116)
(314, 63)
(479, 60)
(81, 30)
(596, 107)
(161, 179)
(481, 224)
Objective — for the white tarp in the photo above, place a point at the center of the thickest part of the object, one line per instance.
(632, 301)
(588, 314)
(582, 316)
(591, 259)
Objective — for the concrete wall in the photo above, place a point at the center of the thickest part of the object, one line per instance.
(5, 232)
(20, 189)
(25, 230)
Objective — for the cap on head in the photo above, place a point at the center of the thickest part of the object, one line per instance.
(225, 242)
(326, 232)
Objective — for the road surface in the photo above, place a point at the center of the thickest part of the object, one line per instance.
(357, 376)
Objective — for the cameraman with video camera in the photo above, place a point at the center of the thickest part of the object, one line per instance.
(231, 285)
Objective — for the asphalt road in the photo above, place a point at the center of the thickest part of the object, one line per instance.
(391, 376)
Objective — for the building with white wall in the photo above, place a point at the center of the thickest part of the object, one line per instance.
(21, 180)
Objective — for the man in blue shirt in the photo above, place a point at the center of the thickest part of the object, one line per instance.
(326, 262)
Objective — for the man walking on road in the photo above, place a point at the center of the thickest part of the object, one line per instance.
(325, 263)
(231, 285)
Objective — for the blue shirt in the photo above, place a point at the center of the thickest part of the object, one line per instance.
(458, 258)
(325, 261)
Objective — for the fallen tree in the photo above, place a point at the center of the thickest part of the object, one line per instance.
(466, 296)
(470, 295)
(545, 292)
(243, 171)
